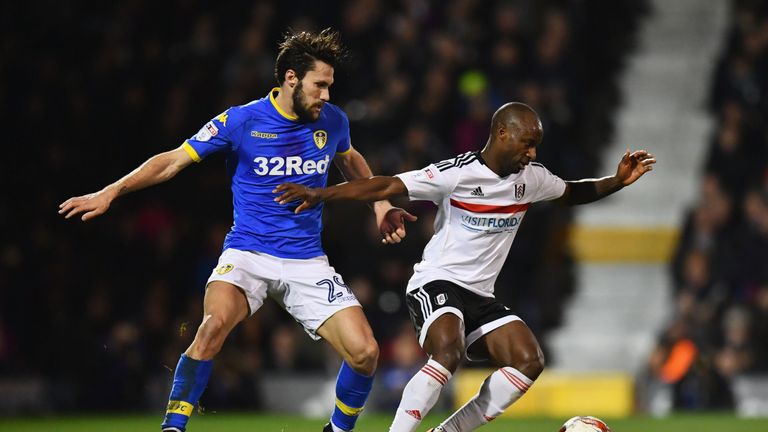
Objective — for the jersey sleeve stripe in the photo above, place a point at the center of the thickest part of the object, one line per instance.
(191, 151)
(345, 151)
(457, 162)
(482, 208)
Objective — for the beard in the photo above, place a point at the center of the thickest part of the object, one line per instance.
(301, 108)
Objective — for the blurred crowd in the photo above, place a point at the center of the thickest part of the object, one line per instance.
(719, 330)
(100, 311)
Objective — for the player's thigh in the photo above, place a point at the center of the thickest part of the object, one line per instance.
(238, 286)
(445, 335)
(437, 313)
(349, 333)
(512, 344)
(317, 297)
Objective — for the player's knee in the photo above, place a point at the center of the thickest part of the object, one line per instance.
(449, 353)
(448, 350)
(210, 336)
(364, 359)
(531, 364)
(449, 359)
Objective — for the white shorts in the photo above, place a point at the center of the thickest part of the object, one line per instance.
(308, 289)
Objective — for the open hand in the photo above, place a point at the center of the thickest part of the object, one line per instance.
(633, 165)
(293, 192)
(91, 205)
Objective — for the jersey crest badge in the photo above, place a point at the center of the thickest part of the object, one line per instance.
(519, 191)
(321, 138)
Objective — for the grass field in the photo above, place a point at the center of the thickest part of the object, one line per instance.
(216, 422)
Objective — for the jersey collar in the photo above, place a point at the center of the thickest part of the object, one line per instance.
(277, 107)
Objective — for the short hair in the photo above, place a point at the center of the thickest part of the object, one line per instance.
(298, 51)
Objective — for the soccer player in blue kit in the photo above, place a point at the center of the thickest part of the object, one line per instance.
(290, 135)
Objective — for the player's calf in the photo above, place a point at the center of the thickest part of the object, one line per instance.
(352, 390)
(420, 395)
(501, 389)
(209, 338)
(189, 380)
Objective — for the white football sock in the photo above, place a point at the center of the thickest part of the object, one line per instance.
(419, 396)
(500, 390)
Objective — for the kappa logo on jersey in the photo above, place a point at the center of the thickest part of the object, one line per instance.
(291, 165)
(478, 192)
(224, 269)
(207, 132)
(321, 138)
(265, 135)
(222, 118)
(519, 191)
(441, 298)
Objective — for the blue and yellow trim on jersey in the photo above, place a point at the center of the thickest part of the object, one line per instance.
(277, 107)
(342, 153)
(191, 151)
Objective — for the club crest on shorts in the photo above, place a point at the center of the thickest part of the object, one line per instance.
(441, 298)
(519, 191)
(224, 269)
(321, 138)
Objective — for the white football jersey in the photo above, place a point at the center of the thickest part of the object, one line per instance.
(477, 219)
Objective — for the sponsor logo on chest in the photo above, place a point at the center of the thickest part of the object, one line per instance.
(491, 224)
(289, 165)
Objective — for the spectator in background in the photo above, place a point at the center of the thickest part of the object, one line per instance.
(719, 267)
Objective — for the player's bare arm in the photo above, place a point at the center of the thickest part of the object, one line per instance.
(371, 189)
(157, 169)
(389, 219)
(631, 167)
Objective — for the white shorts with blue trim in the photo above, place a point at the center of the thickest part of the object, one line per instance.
(308, 289)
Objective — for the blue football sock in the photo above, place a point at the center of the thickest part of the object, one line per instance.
(189, 381)
(352, 390)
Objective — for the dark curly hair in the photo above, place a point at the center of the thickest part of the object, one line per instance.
(298, 51)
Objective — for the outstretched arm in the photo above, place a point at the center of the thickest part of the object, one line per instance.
(370, 189)
(157, 169)
(631, 167)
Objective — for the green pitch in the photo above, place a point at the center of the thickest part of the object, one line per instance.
(219, 422)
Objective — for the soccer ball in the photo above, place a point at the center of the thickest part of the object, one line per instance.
(584, 424)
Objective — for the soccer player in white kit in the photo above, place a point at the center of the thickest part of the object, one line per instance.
(482, 198)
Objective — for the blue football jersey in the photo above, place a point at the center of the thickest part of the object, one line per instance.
(266, 147)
